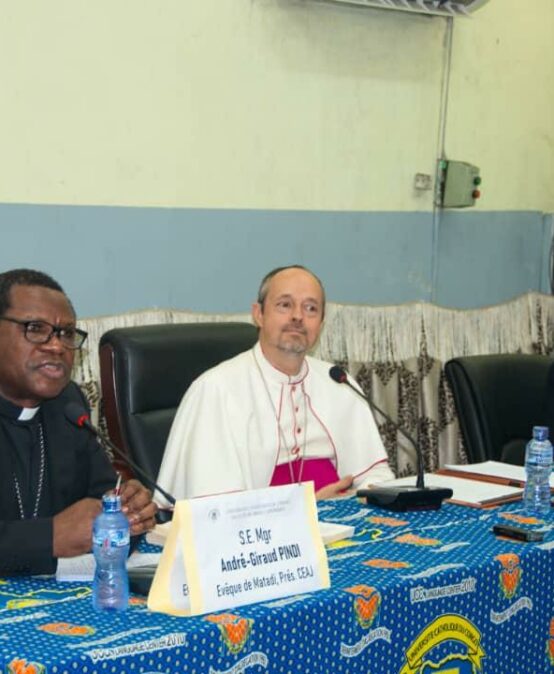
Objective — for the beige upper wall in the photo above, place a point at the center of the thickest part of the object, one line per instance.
(501, 102)
(267, 103)
(217, 103)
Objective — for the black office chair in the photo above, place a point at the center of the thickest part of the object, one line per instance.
(144, 373)
(499, 398)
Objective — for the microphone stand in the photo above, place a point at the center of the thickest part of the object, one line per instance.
(78, 416)
(149, 481)
(391, 497)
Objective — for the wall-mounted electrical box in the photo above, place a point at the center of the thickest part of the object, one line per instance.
(458, 184)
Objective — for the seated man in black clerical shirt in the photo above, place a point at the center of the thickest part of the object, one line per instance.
(52, 473)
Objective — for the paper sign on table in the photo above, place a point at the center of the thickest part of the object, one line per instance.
(234, 549)
(330, 532)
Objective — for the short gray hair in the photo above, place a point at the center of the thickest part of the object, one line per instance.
(264, 285)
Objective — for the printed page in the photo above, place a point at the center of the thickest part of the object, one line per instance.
(81, 569)
(76, 569)
(495, 469)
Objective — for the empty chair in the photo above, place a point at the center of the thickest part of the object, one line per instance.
(145, 372)
(499, 398)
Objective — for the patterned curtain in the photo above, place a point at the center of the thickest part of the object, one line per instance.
(396, 353)
(415, 394)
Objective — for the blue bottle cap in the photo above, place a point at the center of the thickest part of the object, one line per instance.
(540, 432)
(111, 503)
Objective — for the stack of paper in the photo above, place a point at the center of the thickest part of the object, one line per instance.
(332, 531)
(495, 469)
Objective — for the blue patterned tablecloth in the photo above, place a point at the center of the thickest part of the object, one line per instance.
(415, 593)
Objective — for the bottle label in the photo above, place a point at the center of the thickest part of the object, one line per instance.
(111, 539)
(538, 453)
(540, 458)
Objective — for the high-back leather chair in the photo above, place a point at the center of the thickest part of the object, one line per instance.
(145, 372)
(499, 398)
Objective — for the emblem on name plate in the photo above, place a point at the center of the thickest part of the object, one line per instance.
(213, 514)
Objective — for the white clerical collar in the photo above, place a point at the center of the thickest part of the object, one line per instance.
(27, 413)
(273, 374)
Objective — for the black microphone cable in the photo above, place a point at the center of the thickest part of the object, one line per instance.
(77, 415)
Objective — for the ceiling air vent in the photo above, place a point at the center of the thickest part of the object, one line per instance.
(431, 7)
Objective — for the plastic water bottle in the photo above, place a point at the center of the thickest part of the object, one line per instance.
(110, 545)
(538, 466)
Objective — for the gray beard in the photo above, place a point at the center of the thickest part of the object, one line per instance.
(295, 347)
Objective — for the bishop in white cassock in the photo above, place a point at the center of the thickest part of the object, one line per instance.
(272, 415)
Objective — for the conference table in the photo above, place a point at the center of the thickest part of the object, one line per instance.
(430, 592)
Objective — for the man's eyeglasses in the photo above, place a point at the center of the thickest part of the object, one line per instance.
(41, 332)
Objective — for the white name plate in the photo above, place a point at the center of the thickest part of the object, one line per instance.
(240, 548)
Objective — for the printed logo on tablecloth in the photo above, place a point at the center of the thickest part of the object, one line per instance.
(367, 601)
(234, 630)
(510, 574)
(67, 629)
(509, 580)
(366, 605)
(21, 666)
(450, 627)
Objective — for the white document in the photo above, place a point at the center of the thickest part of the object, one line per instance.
(81, 569)
(496, 469)
(333, 531)
(158, 535)
(138, 559)
(76, 569)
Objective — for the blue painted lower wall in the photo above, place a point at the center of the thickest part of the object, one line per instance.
(115, 259)
(489, 257)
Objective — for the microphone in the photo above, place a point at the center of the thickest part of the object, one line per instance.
(77, 415)
(399, 498)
